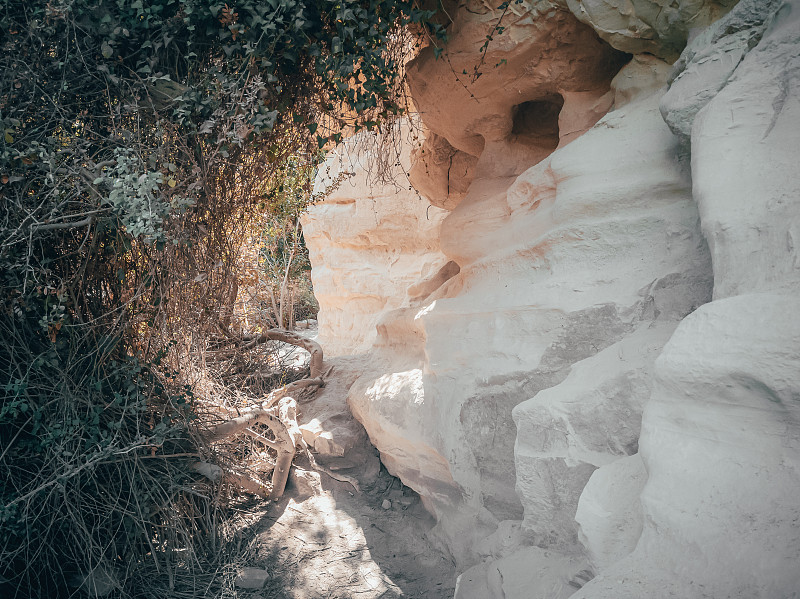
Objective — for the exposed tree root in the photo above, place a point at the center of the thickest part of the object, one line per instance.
(278, 412)
(282, 421)
(312, 347)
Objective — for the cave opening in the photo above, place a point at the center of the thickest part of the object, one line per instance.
(535, 122)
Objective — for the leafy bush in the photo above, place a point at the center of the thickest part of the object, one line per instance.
(139, 139)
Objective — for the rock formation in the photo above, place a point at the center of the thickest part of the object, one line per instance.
(371, 240)
(543, 361)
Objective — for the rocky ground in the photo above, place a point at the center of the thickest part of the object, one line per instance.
(326, 539)
(323, 540)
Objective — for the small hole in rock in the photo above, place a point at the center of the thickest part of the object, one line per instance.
(536, 121)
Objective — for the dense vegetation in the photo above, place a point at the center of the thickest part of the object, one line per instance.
(143, 142)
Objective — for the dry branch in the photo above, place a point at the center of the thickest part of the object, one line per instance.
(312, 347)
(282, 421)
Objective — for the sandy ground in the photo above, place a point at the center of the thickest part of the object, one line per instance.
(340, 544)
(324, 539)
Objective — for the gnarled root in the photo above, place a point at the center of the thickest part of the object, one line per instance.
(312, 347)
(282, 421)
(279, 413)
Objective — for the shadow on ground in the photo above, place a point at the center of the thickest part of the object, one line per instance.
(324, 540)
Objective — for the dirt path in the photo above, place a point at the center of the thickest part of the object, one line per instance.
(324, 540)
(337, 545)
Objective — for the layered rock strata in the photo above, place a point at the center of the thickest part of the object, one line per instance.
(371, 238)
(542, 363)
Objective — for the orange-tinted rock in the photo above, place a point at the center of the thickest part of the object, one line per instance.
(538, 83)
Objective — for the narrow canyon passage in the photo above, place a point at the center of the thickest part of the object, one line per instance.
(326, 539)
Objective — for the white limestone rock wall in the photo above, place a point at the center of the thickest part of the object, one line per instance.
(595, 248)
(520, 344)
(609, 513)
(624, 263)
(370, 239)
(720, 443)
(721, 434)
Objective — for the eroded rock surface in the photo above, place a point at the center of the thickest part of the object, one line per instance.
(548, 273)
(540, 83)
(720, 443)
(371, 239)
(545, 369)
(720, 514)
(648, 26)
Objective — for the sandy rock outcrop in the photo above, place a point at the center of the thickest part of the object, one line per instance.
(609, 513)
(745, 142)
(372, 237)
(595, 248)
(538, 83)
(720, 442)
(546, 366)
(721, 514)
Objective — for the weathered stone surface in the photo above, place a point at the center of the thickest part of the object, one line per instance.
(721, 513)
(328, 426)
(609, 511)
(643, 75)
(708, 62)
(589, 420)
(541, 82)
(440, 172)
(550, 275)
(648, 26)
(745, 144)
(721, 445)
(370, 239)
(529, 572)
(513, 349)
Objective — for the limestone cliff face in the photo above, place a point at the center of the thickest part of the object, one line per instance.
(546, 366)
(373, 241)
(722, 511)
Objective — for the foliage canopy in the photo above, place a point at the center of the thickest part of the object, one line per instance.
(139, 140)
